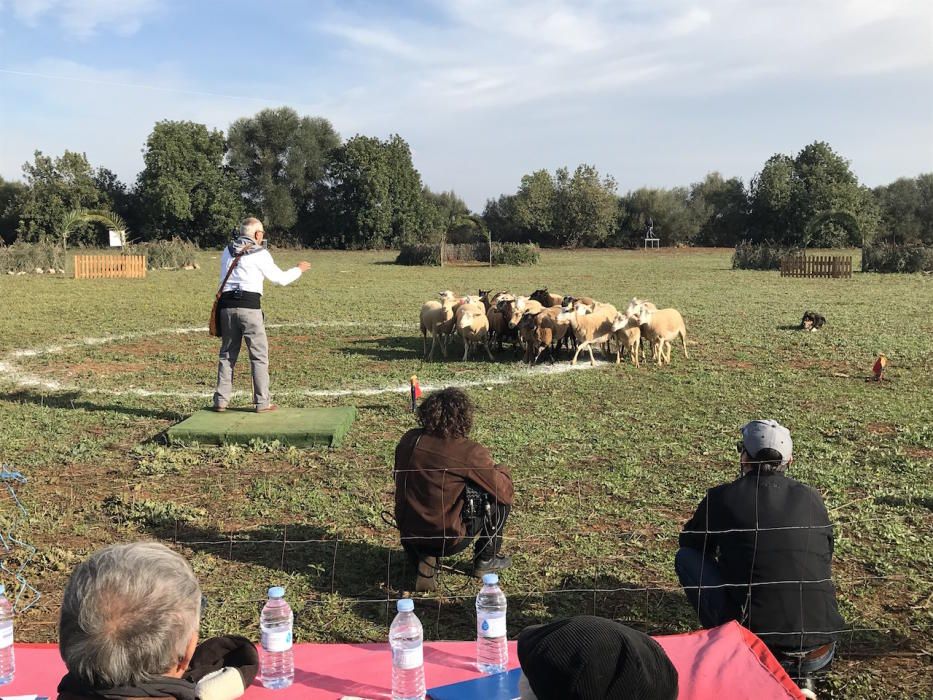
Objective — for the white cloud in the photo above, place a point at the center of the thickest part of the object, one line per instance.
(485, 52)
(84, 18)
(485, 91)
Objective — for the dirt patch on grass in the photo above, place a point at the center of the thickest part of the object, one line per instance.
(737, 364)
(829, 365)
(88, 367)
(881, 428)
(920, 452)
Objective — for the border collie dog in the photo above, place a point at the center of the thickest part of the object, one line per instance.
(811, 321)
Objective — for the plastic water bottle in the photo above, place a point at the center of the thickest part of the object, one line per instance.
(406, 637)
(7, 663)
(492, 648)
(275, 624)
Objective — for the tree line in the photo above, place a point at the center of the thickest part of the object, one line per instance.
(813, 199)
(314, 189)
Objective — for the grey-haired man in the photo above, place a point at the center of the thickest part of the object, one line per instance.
(241, 316)
(759, 550)
(129, 629)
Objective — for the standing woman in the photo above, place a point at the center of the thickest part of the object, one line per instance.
(243, 266)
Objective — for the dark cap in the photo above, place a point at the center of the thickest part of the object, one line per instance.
(592, 658)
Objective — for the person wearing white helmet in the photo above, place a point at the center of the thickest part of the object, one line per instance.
(759, 550)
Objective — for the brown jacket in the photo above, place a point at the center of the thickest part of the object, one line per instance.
(430, 474)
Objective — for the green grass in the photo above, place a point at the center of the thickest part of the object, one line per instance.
(608, 463)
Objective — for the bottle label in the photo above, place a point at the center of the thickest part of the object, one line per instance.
(6, 636)
(490, 626)
(277, 641)
(408, 658)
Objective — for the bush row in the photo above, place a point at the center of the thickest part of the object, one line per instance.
(888, 257)
(759, 256)
(502, 253)
(28, 257)
(161, 255)
(515, 254)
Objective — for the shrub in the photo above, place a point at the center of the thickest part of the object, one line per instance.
(759, 256)
(26, 257)
(891, 257)
(515, 254)
(502, 253)
(419, 254)
(169, 254)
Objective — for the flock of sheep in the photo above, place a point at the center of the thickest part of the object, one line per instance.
(546, 322)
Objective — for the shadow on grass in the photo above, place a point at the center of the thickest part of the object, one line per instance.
(355, 569)
(650, 609)
(388, 348)
(71, 400)
(410, 348)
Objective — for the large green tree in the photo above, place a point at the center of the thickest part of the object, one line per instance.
(585, 207)
(669, 211)
(280, 158)
(449, 218)
(534, 207)
(790, 194)
(55, 187)
(564, 209)
(906, 208)
(372, 196)
(11, 194)
(500, 218)
(720, 208)
(184, 188)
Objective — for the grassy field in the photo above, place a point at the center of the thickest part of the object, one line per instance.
(608, 463)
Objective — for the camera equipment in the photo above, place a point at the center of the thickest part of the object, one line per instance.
(475, 503)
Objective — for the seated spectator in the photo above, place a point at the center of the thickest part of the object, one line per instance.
(591, 658)
(129, 628)
(759, 550)
(448, 488)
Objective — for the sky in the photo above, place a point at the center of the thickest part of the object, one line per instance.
(652, 92)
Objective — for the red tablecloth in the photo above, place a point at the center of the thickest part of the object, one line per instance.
(726, 662)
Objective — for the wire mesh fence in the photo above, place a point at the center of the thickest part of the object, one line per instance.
(253, 519)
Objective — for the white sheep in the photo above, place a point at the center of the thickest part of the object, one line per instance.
(435, 317)
(473, 327)
(627, 334)
(589, 327)
(660, 327)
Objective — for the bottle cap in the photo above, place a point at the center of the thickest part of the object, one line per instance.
(405, 605)
(277, 592)
(490, 579)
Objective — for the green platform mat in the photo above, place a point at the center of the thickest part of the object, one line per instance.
(301, 427)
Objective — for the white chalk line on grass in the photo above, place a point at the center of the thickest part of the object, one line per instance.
(13, 374)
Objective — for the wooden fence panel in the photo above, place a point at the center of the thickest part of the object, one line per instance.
(801, 265)
(110, 266)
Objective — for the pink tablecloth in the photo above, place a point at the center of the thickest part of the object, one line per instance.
(726, 662)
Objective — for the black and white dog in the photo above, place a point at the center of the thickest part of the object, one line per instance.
(811, 321)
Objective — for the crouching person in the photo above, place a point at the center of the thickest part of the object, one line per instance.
(759, 550)
(449, 490)
(592, 658)
(129, 629)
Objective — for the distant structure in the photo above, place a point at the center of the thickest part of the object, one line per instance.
(651, 241)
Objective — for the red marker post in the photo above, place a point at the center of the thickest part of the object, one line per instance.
(415, 392)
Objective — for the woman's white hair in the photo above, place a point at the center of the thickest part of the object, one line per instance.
(128, 614)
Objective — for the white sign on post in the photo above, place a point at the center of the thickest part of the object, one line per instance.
(117, 238)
